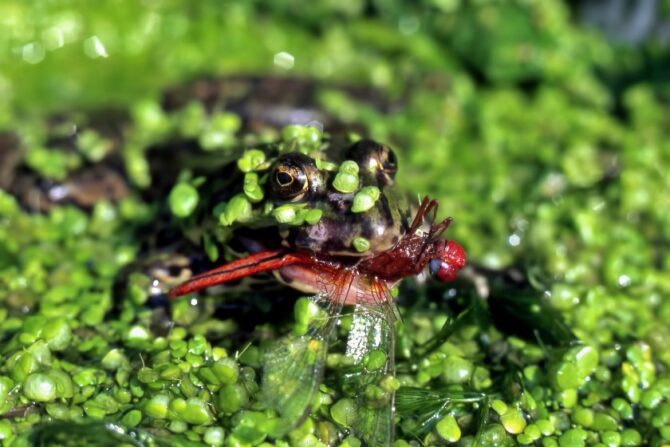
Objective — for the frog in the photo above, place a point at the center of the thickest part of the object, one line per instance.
(257, 105)
(295, 185)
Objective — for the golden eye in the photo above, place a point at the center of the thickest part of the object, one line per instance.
(290, 179)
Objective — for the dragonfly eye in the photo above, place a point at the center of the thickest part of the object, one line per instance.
(435, 266)
(443, 271)
(451, 260)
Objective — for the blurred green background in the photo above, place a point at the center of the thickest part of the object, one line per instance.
(544, 138)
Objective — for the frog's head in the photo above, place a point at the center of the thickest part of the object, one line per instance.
(339, 200)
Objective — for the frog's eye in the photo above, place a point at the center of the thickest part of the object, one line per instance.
(375, 158)
(290, 182)
(291, 177)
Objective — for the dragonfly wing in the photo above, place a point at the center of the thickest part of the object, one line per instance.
(423, 408)
(293, 367)
(370, 347)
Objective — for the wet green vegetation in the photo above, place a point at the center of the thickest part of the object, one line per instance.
(516, 119)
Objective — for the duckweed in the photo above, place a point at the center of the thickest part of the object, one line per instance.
(39, 387)
(238, 209)
(183, 199)
(251, 188)
(285, 213)
(365, 199)
(251, 160)
(361, 244)
(346, 180)
(513, 421)
(575, 437)
(214, 436)
(448, 429)
(343, 412)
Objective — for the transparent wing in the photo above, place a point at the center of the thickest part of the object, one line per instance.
(370, 347)
(293, 367)
(422, 408)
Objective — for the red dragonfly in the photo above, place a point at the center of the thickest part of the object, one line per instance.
(294, 369)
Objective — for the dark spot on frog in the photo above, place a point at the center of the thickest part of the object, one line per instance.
(83, 188)
(367, 229)
(339, 203)
(385, 214)
(89, 186)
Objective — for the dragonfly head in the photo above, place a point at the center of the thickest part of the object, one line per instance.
(449, 259)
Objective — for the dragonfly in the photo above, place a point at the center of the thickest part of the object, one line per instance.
(294, 368)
